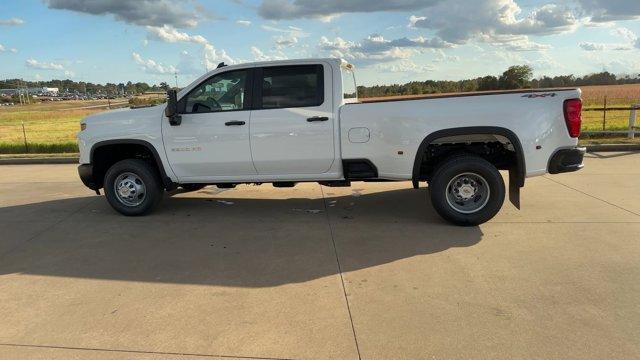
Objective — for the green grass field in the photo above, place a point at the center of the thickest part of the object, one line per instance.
(615, 119)
(51, 127)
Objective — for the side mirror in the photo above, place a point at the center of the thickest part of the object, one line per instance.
(171, 111)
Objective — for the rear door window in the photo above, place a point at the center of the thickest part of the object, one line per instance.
(291, 86)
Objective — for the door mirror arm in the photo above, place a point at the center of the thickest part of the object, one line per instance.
(171, 111)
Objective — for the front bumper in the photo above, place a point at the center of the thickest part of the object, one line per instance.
(566, 160)
(86, 175)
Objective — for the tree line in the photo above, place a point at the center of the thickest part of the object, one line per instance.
(82, 87)
(516, 77)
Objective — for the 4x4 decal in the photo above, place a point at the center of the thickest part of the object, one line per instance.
(533, 96)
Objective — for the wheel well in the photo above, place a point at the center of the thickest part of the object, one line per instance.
(103, 156)
(499, 146)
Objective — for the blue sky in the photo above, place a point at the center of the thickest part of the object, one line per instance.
(389, 42)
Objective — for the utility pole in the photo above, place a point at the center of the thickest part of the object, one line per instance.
(176, 75)
(26, 90)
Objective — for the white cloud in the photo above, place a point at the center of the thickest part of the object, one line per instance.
(325, 10)
(441, 56)
(290, 31)
(404, 66)
(376, 42)
(11, 22)
(375, 48)
(139, 12)
(259, 55)
(13, 50)
(170, 34)
(458, 21)
(213, 57)
(413, 20)
(454, 21)
(243, 22)
(513, 42)
(285, 41)
(626, 34)
(69, 73)
(611, 10)
(590, 46)
(151, 66)
(337, 44)
(35, 64)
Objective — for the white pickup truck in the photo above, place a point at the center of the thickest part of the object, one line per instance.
(293, 121)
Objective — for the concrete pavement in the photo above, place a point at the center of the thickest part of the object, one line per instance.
(314, 272)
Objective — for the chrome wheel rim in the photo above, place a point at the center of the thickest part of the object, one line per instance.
(468, 193)
(129, 189)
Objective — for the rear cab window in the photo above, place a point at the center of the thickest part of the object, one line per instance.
(349, 88)
(290, 87)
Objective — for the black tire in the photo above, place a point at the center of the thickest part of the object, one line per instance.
(147, 175)
(455, 168)
(192, 187)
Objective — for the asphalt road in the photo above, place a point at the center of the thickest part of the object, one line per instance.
(315, 272)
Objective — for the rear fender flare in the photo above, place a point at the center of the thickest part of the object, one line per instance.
(516, 175)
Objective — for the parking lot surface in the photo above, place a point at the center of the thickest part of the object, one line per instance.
(315, 272)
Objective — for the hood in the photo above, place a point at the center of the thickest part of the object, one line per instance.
(125, 114)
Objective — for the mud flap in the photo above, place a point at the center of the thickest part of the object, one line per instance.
(514, 189)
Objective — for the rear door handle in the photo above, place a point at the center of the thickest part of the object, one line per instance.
(317, 118)
(234, 123)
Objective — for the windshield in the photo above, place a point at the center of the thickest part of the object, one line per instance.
(349, 90)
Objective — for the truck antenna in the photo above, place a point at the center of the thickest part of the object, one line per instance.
(222, 64)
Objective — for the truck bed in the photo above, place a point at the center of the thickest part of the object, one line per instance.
(394, 127)
(459, 94)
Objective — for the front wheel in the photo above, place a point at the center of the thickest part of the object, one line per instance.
(132, 187)
(467, 190)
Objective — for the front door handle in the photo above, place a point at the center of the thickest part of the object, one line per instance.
(317, 118)
(234, 123)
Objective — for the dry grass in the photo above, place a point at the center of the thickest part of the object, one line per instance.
(48, 123)
(617, 95)
(49, 126)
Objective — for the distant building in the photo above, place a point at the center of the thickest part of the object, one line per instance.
(51, 90)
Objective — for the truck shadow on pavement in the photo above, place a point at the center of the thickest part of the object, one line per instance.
(226, 241)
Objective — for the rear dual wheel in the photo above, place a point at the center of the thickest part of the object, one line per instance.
(467, 190)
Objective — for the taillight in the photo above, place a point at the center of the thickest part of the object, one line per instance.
(573, 116)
